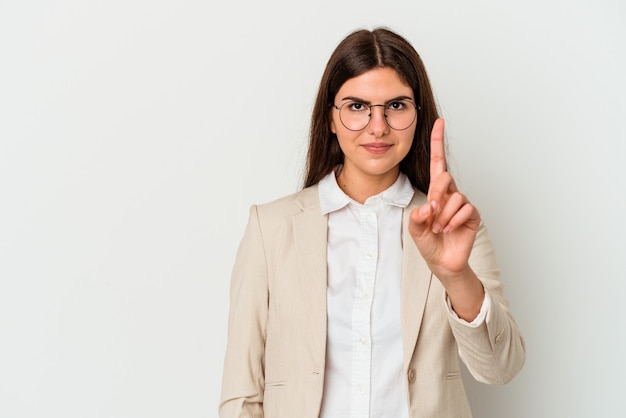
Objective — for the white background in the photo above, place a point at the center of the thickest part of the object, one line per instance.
(134, 135)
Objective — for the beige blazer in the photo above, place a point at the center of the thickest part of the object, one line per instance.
(274, 363)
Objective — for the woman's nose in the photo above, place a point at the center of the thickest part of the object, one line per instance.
(378, 123)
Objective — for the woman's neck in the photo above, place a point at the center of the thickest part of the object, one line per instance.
(363, 186)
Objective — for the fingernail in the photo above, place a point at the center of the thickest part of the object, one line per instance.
(433, 204)
(423, 211)
(436, 228)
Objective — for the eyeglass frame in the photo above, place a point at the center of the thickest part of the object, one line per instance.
(384, 105)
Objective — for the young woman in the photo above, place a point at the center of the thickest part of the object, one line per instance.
(356, 296)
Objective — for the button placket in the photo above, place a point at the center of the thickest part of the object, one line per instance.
(362, 310)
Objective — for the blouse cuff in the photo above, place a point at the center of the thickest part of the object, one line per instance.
(478, 321)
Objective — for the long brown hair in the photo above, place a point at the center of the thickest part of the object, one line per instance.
(359, 52)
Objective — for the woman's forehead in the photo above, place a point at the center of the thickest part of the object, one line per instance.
(375, 85)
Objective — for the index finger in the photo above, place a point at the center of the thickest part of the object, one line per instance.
(437, 150)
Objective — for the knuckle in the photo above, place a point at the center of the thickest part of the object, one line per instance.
(458, 196)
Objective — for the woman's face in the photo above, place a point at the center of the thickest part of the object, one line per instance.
(374, 152)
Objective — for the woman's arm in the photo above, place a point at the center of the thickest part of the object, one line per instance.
(243, 378)
(494, 351)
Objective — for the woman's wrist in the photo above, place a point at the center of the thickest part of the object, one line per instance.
(466, 294)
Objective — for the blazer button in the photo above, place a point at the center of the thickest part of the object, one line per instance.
(411, 375)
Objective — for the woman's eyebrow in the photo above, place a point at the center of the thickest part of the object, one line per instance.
(355, 99)
(359, 100)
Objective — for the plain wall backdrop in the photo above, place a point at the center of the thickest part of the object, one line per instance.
(135, 134)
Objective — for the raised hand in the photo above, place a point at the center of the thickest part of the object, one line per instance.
(444, 229)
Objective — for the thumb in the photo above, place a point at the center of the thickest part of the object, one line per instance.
(419, 220)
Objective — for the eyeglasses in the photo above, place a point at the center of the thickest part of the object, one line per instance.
(399, 114)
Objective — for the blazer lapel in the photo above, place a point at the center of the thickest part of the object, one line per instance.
(416, 279)
(310, 240)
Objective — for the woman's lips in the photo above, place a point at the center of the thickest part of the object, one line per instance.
(376, 147)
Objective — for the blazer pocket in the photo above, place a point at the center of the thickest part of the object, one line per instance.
(275, 385)
(453, 376)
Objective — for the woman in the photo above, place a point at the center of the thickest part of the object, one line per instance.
(356, 296)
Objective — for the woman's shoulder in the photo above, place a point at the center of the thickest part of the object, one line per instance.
(289, 205)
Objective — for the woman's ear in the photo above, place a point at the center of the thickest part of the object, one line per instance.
(333, 128)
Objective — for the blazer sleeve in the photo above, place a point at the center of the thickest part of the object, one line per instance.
(493, 352)
(243, 377)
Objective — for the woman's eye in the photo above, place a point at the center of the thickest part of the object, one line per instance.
(357, 107)
(396, 105)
